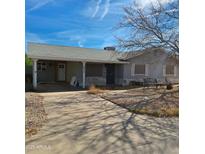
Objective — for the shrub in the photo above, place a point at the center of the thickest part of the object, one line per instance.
(174, 111)
(169, 87)
(94, 90)
(28, 61)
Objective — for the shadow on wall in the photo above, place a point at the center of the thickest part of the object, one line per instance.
(28, 81)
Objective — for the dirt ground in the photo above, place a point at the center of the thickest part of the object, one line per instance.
(151, 100)
(81, 123)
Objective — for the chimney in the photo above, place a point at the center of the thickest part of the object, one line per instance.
(109, 48)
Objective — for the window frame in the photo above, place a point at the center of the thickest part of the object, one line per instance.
(140, 73)
(173, 70)
(42, 66)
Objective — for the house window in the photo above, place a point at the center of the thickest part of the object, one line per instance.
(42, 66)
(140, 69)
(60, 66)
(169, 69)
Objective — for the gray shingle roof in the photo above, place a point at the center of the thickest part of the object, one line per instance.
(54, 52)
(131, 54)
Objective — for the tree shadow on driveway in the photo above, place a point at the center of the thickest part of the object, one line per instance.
(82, 123)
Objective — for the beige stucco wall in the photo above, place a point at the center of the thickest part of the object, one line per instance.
(155, 60)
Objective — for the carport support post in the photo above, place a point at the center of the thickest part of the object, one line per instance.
(35, 73)
(84, 69)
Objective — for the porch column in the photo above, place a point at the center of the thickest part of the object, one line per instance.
(84, 69)
(35, 73)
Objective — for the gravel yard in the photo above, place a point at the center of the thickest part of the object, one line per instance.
(35, 113)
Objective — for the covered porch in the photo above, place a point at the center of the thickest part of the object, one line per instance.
(59, 74)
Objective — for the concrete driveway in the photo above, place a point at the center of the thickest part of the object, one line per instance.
(80, 123)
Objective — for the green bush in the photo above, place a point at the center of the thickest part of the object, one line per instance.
(28, 61)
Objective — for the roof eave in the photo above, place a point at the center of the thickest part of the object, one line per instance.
(75, 59)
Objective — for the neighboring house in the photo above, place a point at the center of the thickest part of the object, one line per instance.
(100, 67)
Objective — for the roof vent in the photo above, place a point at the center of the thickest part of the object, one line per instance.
(109, 48)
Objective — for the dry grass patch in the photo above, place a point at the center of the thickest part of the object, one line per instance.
(162, 112)
(94, 90)
(151, 101)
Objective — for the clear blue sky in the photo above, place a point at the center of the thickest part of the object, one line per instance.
(84, 23)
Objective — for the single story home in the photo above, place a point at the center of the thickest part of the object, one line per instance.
(54, 63)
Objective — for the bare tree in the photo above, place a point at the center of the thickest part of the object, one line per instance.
(155, 25)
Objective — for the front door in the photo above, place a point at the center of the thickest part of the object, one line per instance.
(110, 74)
(61, 72)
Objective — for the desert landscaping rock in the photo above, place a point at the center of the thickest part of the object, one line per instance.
(35, 113)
